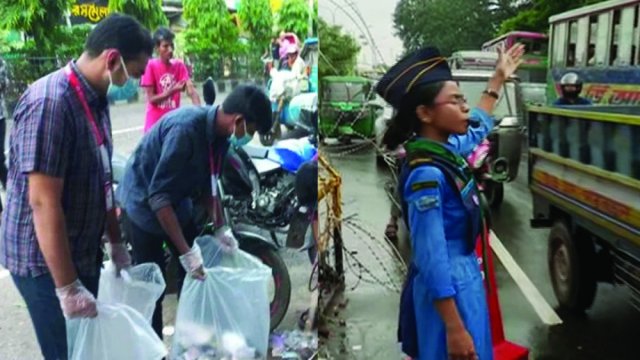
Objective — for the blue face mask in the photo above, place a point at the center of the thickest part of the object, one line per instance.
(123, 92)
(243, 140)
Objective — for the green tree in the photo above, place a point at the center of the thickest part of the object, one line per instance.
(339, 51)
(294, 17)
(210, 35)
(449, 25)
(536, 14)
(37, 18)
(256, 20)
(210, 28)
(148, 12)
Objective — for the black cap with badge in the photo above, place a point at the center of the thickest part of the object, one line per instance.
(421, 67)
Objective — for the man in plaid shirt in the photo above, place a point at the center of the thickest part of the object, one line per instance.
(58, 200)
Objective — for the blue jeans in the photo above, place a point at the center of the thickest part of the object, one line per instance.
(46, 315)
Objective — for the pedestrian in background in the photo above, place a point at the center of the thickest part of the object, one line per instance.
(164, 79)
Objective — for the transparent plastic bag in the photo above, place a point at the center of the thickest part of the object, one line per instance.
(139, 287)
(117, 333)
(227, 313)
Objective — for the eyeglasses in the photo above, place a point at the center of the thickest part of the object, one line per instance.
(459, 100)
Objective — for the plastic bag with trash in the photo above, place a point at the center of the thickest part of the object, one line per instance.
(227, 314)
(117, 333)
(138, 286)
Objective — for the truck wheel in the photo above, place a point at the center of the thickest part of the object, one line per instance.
(571, 266)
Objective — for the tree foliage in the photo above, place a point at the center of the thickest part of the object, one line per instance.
(148, 12)
(449, 25)
(37, 18)
(257, 20)
(210, 28)
(294, 17)
(339, 50)
(535, 16)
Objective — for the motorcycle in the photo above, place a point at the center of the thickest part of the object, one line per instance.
(261, 182)
(261, 179)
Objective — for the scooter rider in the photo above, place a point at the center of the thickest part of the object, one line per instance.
(571, 87)
(182, 155)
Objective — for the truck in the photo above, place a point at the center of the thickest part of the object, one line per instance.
(584, 177)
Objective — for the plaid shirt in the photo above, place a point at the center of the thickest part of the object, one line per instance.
(53, 136)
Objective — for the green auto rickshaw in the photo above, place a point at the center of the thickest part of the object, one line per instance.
(347, 110)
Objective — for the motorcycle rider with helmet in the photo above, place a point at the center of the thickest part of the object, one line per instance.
(571, 87)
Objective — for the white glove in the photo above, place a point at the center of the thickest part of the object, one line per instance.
(192, 262)
(119, 255)
(76, 301)
(227, 240)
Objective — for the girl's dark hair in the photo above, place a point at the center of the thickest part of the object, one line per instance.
(405, 123)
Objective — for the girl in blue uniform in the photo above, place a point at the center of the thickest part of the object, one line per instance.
(443, 312)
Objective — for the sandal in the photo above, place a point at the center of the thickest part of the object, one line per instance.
(391, 232)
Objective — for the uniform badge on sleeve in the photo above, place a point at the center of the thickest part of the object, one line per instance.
(427, 202)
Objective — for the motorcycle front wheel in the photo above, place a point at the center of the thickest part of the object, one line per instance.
(281, 282)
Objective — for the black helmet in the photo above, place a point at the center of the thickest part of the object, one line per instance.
(571, 79)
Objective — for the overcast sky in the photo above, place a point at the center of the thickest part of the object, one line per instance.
(378, 15)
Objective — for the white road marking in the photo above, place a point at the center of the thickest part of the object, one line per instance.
(533, 295)
(127, 130)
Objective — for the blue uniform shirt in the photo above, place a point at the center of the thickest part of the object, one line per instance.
(170, 165)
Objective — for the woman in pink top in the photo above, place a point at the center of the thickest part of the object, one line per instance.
(164, 79)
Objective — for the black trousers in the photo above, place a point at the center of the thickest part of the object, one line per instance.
(147, 248)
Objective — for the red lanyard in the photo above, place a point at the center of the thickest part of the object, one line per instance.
(104, 155)
(75, 84)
